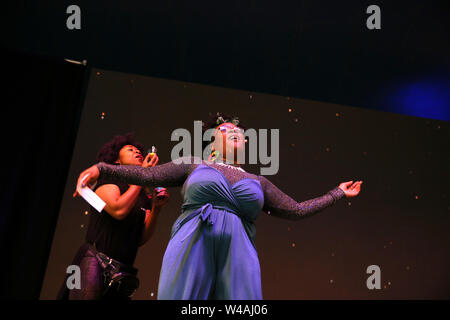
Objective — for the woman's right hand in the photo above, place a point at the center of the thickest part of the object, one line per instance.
(150, 160)
(92, 175)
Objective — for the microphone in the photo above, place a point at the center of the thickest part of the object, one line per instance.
(152, 151)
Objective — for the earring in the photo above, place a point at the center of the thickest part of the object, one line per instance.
(213, 156)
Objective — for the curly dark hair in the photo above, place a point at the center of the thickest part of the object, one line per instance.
(212, 123)
(109, 152)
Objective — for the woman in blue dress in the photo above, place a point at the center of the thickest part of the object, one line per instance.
(211, 253)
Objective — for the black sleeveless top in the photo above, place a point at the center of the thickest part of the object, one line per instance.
(118, 239)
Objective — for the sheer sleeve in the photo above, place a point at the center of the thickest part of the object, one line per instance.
(170, 174)
(279, 204)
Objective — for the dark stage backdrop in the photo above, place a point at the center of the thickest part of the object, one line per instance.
(399, 222)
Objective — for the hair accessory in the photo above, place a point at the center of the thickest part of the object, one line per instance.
(213, 156)
(221, 120)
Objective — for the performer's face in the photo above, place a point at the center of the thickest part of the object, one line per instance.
(229, 138)
(130, 155)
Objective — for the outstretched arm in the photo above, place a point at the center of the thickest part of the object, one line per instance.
(170, 174)
(278, 204)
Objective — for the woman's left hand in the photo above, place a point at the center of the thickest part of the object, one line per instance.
(351, 189)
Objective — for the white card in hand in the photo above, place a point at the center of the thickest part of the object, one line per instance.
(90, 196)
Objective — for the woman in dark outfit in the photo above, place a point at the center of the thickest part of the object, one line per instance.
(211, 253)
(126, 222)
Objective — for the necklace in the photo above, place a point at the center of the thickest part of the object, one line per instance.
(229, 166)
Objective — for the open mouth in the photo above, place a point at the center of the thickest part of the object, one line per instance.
(234, 138)
(140, 157)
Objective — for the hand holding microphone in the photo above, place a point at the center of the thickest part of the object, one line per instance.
(151, 159)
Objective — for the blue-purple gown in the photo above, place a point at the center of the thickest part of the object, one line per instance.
(212, 249)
